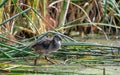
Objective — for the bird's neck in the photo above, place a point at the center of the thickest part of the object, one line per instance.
(55, 42)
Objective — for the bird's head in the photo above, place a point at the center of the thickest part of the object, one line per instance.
(57, 38)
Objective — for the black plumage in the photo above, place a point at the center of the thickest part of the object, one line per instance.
(46, 45)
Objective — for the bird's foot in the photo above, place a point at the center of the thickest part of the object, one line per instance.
(52, 62)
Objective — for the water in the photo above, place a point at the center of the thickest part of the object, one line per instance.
(73, 66)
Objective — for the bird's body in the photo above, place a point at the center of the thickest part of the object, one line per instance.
(45, 46)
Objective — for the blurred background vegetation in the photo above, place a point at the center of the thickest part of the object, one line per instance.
(83, 17)
(23, 21)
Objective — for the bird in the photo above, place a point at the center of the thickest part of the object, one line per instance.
(45, 46)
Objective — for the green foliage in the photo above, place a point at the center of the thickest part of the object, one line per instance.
(3, 3)
(35, 19)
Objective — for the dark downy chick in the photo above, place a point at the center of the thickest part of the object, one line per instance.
(46, 46)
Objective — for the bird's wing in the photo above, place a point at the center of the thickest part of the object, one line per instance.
(43, 43)
(46, 43)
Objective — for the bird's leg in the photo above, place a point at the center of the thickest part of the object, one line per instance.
(46, 57)
(35, 61)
